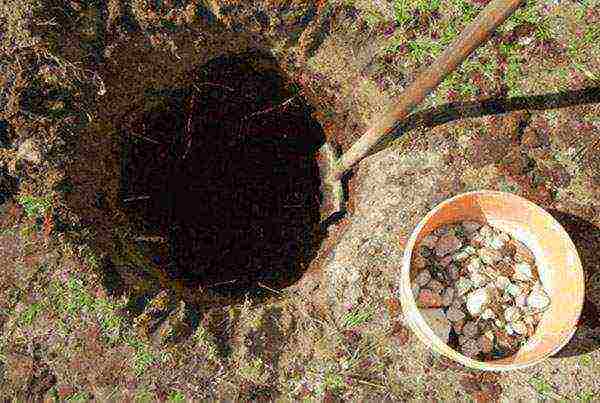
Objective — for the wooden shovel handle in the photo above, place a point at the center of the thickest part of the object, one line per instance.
(494, 14)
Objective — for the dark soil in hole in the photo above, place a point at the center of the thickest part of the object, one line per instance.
(233, 185)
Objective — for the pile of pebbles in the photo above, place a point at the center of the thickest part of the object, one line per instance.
(478, 288)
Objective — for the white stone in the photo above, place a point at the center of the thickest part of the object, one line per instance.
(519, 327)
(513, 289)
(502, 282)
(486, 231)
(470, 250)
(478, 279)
(523, 272)
(422, 278)
(496, 243)
(476, 301)
(489, 256)
(474, 265)
(460, 256)
(488, 314)
(509, 329)
(512, 314)
(538, 300)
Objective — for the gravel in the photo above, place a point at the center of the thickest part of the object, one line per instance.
(484, 283)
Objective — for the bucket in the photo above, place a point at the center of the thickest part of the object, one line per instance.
(559, 267)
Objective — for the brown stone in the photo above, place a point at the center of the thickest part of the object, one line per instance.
(429, 299)
(522, 253)
(447, 244)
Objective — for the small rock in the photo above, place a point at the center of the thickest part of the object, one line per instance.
(513, 289)
(470, 226)
(470, 329)
(471, 348)
(488, 314)
(448, 296)
(523, 272)
(458, 326)
(521, 300)
(476, 240)
(518, 327)
(429, 241)
(502, 282)
(425, 251)
(476, 301)
(530, 329)
(447, 244)
(435, 286)
(470, 250)
(497, 243)
(437, 321)
(455, 314)
(422, 278)
(463, 286)
(478, 279)
(486, 344)
(429, 299)
(461, 255)
(512, 314)
(453, 272)
(419, 262)
(538, 300)
(474, 265)
(522, 253)
(29, 151)
(441, 231)
(446, 260)
(528, 319)
(486, 231)
(489, 256)
(504, 341)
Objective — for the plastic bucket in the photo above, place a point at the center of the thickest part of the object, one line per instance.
(558, 263)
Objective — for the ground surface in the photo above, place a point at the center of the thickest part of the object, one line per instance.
(87, 314)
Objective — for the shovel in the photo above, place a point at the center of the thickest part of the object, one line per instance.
(332, 168)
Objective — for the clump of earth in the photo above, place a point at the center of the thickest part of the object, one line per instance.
(479, 289)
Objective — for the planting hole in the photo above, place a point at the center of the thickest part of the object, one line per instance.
(224, 173)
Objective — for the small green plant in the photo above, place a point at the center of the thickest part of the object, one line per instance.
(253, 369)
(333, 382)
(357, 317)
(402, 12)
(176, 396)
(585, 396)
(29, 314)
(142, 359)
(540, 385)
(79, 397)
(35, 207)
(586, 360)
